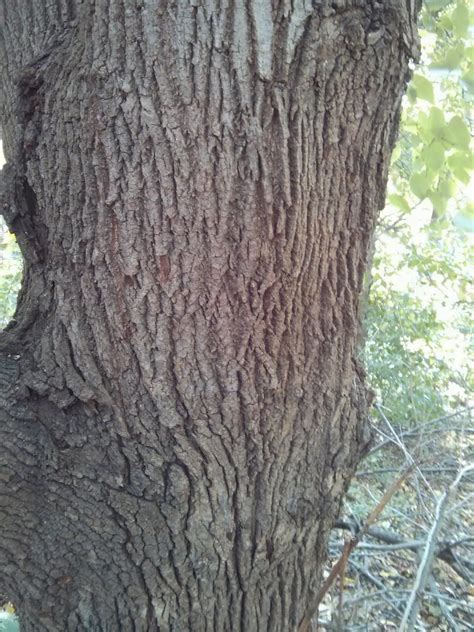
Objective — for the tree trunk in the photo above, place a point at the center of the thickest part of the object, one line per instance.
(194, 185)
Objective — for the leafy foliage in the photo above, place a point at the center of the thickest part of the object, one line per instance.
(434, 144)
(418, 320)
(8, 619)
(10, 275)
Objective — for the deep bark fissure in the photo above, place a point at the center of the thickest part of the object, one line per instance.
(194, 187)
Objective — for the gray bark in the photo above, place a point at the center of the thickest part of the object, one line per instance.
(194, 185)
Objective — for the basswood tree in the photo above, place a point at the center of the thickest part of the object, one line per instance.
(194, 186)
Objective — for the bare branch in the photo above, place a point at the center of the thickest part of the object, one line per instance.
(394, 542)
(379, 584)
(421, 429)
(412, 607)
(442, 604)
(339, 566)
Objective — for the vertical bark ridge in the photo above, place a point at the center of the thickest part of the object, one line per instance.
(206, 180)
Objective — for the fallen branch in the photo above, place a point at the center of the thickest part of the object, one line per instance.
(380, 585)
(444, 608)
(391, 470)
(444, 549)
(424, 570)
(339, 566)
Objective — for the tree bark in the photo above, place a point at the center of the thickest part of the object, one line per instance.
(194, 186)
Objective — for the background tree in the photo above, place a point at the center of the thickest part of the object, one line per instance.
(194, 188)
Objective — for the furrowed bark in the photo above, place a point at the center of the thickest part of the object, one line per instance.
(194, 186)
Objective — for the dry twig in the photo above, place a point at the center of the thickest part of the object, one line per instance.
(424, 570)
(339, 566)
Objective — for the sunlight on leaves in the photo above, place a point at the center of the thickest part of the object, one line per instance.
(419, 324)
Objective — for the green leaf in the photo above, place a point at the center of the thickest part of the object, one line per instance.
(396, 153)
(460, 160)
(445, 22)
(468, 79)
(433, 155)
(460, 19)
(411, 94)
(447, 188)
(436, 122)
(436, 5)
(423, 88)
(452, 58)
(399, 201)
(457, 133)
(462, 175)
(439, 202)
(420, 184)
